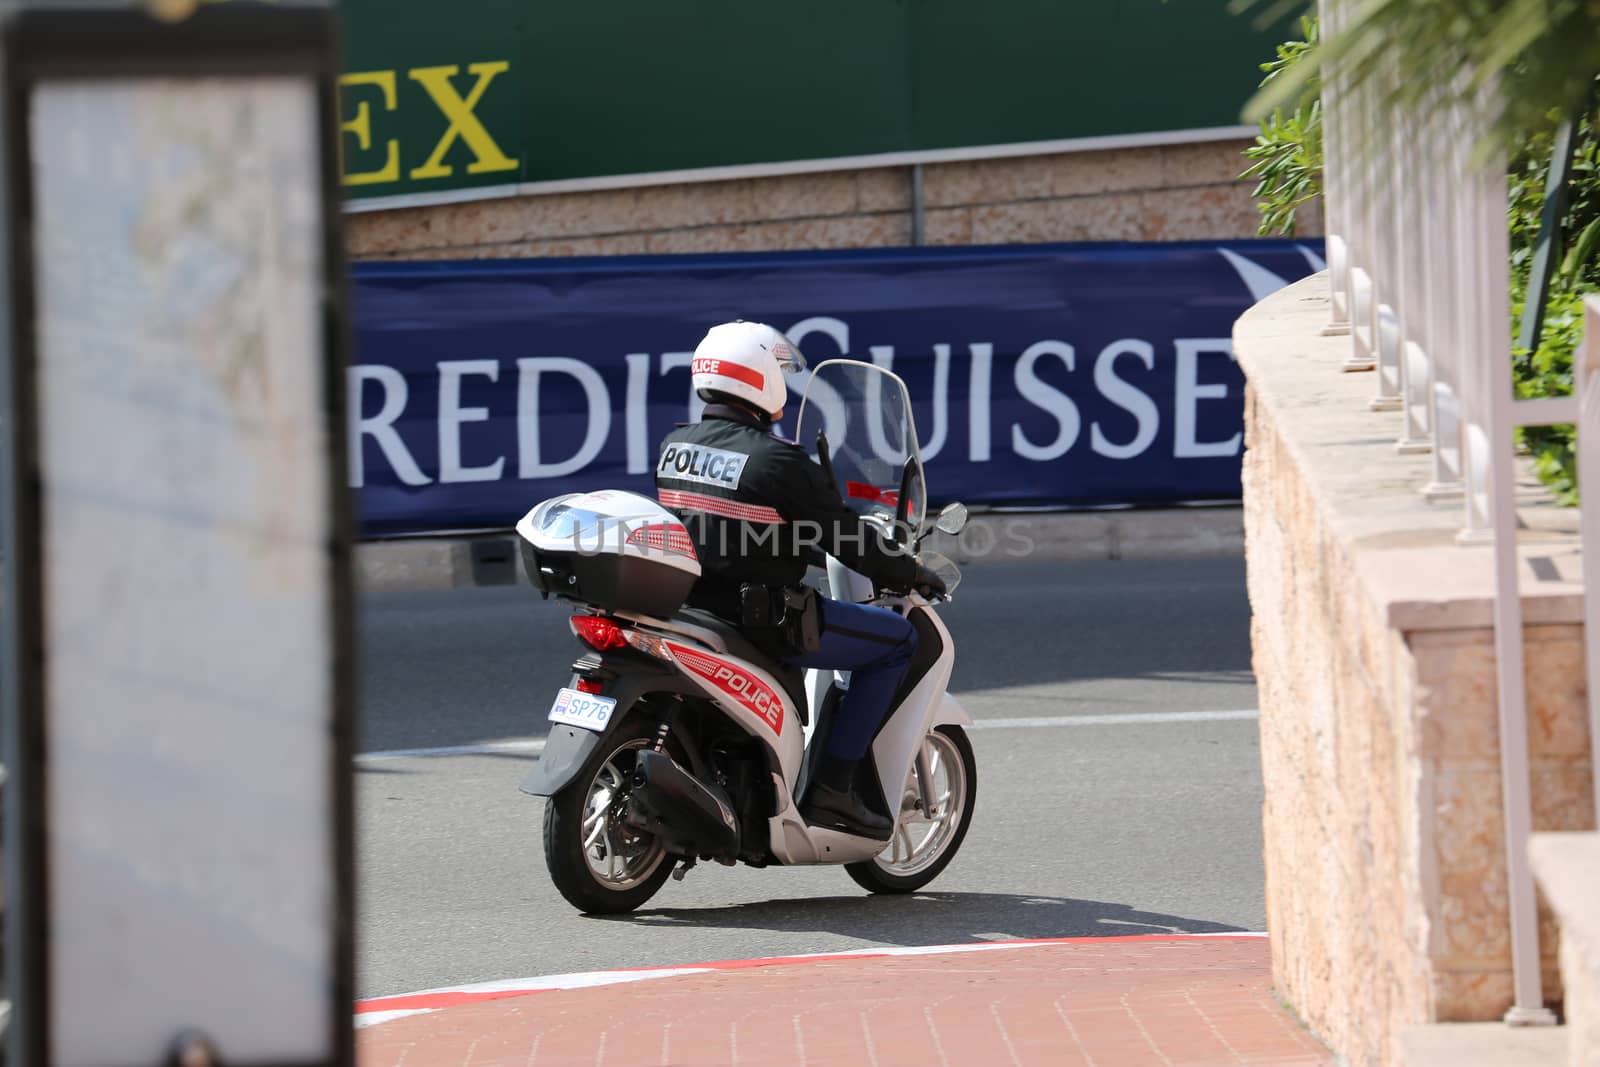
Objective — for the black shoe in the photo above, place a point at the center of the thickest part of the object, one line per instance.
(828, 807)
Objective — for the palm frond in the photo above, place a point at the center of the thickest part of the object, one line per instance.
(1541, 56)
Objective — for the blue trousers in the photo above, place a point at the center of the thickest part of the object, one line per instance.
(875, 645)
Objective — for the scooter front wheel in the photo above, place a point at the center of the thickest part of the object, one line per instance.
(925, 841)
(600, 864)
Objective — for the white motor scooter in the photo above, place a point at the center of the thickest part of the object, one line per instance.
(677, 740)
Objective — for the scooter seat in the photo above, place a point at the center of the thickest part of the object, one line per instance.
(793, 679)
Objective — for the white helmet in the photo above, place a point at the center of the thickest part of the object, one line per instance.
(747, 361)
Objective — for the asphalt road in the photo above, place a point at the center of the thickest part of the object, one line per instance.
(1080, 828)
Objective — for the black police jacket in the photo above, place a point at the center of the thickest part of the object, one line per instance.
(759, 509)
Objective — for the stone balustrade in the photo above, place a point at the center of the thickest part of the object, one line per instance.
(1373, 649)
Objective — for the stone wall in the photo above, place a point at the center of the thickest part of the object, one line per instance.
(1165, 193)
(1373, 650)
(1342, 872)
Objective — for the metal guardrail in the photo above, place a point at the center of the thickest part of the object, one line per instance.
(1419, 272)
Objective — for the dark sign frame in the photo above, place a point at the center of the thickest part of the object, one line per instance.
(236, 39)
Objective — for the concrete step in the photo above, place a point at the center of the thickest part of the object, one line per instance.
(1568, 869)
(1482, 1045)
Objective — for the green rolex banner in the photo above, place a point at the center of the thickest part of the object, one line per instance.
(444, 101)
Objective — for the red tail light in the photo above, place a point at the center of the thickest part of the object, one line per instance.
(598, 633)
(589, 685)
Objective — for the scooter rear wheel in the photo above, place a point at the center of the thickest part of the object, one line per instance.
(599, 864)
(924, 843)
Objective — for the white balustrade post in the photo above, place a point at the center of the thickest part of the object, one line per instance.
(1385, 270)
(1444, 337)
(1474, 327)
(1587, 380)
(1411, 288)
(1354, 131)
(1335, 211)
(1494, 320)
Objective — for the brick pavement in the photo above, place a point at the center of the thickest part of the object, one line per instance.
(1089, 1002)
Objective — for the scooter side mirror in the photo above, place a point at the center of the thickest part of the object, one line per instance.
(952, 519)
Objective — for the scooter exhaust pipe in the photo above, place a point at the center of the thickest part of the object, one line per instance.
(689, 814)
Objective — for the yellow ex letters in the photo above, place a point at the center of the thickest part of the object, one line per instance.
(364, 92)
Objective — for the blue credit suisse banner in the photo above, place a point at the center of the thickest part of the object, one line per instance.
(1041, 375)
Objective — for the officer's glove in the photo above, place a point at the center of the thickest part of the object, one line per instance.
(928, 583)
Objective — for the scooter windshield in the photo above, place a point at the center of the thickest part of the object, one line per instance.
(864, 412)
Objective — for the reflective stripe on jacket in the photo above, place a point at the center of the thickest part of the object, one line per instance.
(760, 510)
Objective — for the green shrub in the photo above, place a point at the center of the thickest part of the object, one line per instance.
(1547, 371)
(1286, 159)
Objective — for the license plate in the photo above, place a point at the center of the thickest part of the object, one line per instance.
(582, 710)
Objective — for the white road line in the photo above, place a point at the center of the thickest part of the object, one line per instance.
(530, 747)
(373, 1018)
(374, 1010)
(1132, 718)
(534, 745)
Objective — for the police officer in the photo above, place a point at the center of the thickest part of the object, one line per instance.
(760, 510)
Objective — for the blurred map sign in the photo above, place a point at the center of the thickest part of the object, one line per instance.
(178, 693)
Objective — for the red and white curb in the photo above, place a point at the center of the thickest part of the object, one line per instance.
(386, 1009)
